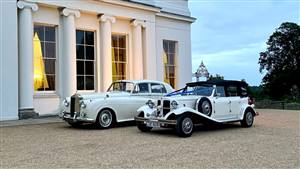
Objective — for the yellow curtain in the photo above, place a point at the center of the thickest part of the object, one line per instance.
(40, 80)
(165, 60)
(114, 68)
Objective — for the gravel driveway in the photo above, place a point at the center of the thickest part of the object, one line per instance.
(273, 142)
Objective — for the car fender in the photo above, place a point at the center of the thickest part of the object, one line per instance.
(96, 106)
(244, 107)
(182, 110)
(146, 109)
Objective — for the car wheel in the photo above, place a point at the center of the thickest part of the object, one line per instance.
(204, 106)
(248, 119)
(143, 127)
(184, 126)
(75, 124)
(105, 119)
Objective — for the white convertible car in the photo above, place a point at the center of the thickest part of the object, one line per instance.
(198, 103)
(118, 104)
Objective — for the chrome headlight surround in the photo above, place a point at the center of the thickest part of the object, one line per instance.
(66, 103)
(150, 103)
(174, 104)
(82, 104)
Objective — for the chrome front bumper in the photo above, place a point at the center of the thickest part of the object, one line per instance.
(162, 122)
(76, 118)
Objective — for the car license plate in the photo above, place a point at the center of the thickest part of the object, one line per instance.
(152, 124)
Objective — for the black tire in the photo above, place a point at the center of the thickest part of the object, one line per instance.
(105, 119)
(248, 119)
(204, 106)
(184, 126)
(143, 127)
(75, 124)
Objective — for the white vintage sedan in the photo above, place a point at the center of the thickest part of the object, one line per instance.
(118, 104)
(198, 103)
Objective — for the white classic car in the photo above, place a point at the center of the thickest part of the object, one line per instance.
(198, 103)
(118, 104)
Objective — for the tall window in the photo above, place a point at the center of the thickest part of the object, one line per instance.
(44, 43)
(118, 57)
(85, 60)
(169, 62)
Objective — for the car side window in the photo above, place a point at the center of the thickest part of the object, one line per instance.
(141, 88)
(221, 91)
(244, 92)
(158, 88)
(232, 91)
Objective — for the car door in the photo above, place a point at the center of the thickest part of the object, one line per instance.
(220, 104)
(235, 101)
(140, 95)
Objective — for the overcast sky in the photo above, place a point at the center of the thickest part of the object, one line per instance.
(229, 34)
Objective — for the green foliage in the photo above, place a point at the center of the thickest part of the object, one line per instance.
(217, 77)
(281, 61)
(257, 92)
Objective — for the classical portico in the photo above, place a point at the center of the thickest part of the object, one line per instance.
(84, 46)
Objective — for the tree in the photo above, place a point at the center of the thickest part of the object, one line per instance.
(281, 61)
(217, 77)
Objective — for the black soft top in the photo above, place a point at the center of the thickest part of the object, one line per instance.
(219, 83)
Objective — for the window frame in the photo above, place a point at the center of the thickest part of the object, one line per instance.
(126, 55)
(166, 67)
(52, 93)
(84, 60)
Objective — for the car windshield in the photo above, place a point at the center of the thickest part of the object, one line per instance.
(121, 87)
(198, 90)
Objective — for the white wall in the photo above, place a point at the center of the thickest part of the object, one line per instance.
(179, 31)
(8, 61)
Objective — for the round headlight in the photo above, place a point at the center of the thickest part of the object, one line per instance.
(82, 104)
(174, 104)
(150, 103)
(66, 103)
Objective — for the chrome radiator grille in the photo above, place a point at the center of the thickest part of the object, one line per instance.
(74, 104)
(166, 107)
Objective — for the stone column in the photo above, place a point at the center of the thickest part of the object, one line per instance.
(68, 58)
(106, 58)
(137, 49)
(150, 57)
(25, 45)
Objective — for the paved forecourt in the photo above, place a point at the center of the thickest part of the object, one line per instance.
(273, 142)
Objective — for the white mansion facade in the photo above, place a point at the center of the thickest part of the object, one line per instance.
(52, 49)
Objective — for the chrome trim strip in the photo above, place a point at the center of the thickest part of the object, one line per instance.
(161, 121)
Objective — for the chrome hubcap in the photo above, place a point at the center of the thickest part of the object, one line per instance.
(187, 125)
(206, 107)
(249, 118)
(105, 118)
